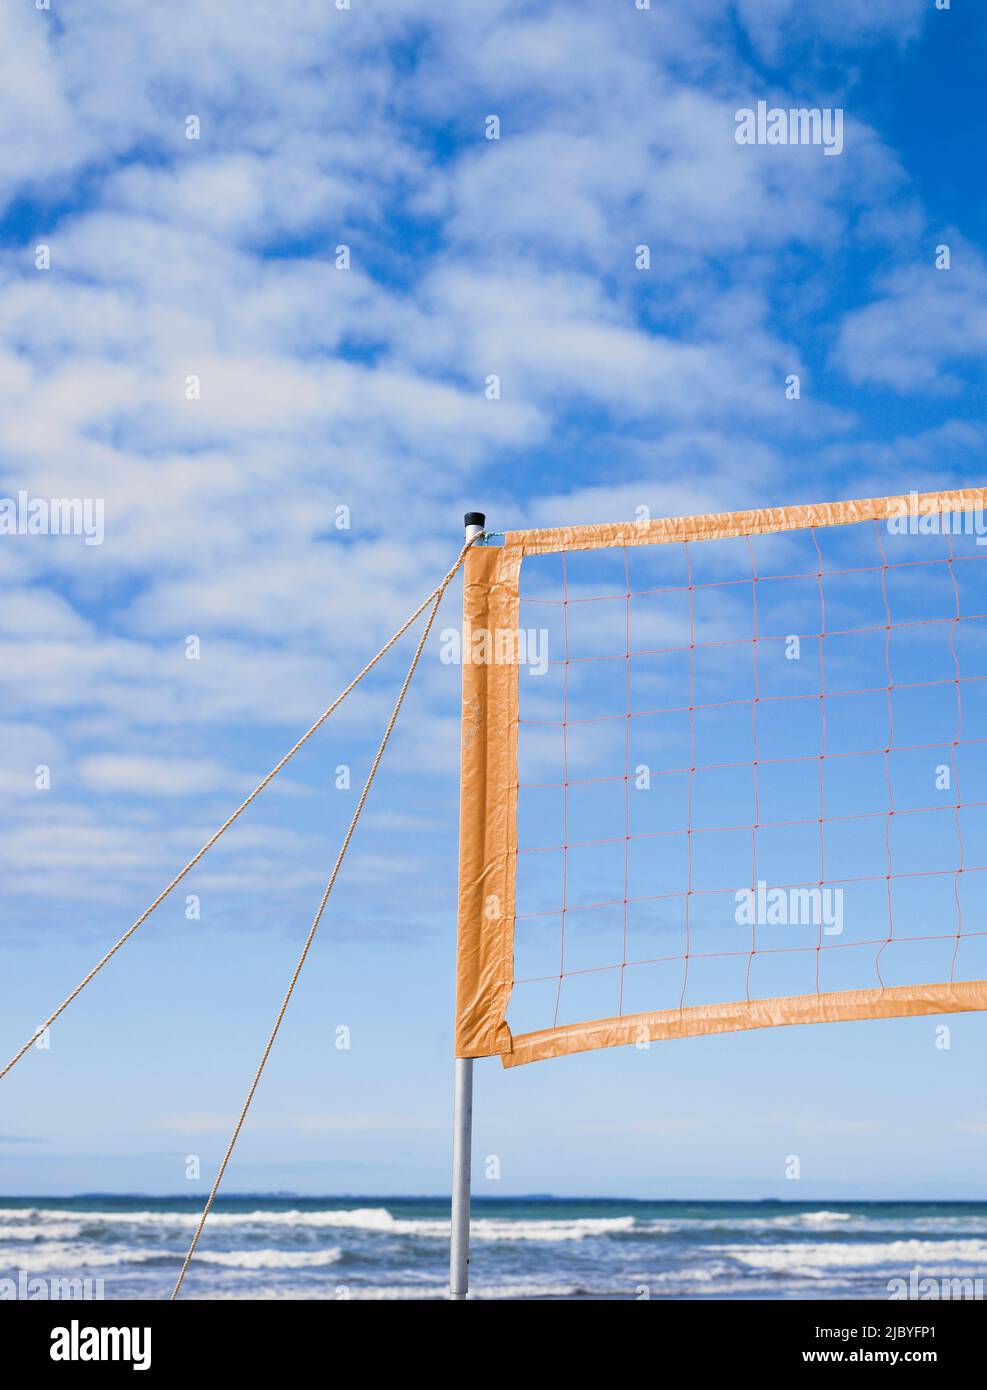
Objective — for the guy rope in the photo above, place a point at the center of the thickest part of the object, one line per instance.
(434, 599)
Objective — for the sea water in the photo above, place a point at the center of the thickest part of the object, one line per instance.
(397, 1248)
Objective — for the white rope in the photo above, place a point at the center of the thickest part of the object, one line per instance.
(436, 595)
(312, 930)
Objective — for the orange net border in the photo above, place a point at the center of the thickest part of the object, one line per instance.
(488, 805)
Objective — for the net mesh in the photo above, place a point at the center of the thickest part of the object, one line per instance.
(748, 768)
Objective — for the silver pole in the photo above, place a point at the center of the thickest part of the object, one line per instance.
(462, 1147)
(462, 1126)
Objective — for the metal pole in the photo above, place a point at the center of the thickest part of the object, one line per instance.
(462, 1147)
(462, 1122)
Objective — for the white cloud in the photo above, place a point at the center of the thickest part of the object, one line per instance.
(364, 388)
(923, 322)
(774, 25)
(141, 775)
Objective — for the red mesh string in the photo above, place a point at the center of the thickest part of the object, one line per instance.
(794, 758)
(627, 775)
(763, 825)
(822, 742)
(887, 751)
(830, 689)
(734, 583)
(765, 950)
(565, 786)
(777, 637)
(794, 883)
(952, 757)
(692, 765)
(764, 699)
(757, 807)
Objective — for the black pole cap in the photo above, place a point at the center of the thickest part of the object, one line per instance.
(474, 519)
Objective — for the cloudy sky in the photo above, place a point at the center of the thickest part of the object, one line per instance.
(356, 380)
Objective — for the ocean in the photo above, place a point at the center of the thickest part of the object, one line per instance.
(397, 1248)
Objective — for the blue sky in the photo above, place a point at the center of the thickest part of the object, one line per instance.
(364, 388)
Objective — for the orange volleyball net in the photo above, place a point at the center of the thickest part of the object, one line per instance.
(723, 772)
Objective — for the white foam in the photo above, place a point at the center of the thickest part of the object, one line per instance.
(53, 1230)
(69, 1257)
(387, 1293)
(810, 1260)
(821, 1218)
(576, 1229)
(269, 1259)
(371, 1218)
(844, 1222)
(358, 1218)
(64, 1258)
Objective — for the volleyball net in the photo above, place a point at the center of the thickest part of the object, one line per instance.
(723, 772)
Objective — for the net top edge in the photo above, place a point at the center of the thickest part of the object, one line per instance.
(760, 521)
